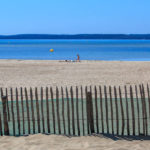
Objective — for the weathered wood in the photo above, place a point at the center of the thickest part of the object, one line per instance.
(28, 114)
(122, 111)
(148, 92)
(96, 110)
(47, 108)
(90, 111)
(117, 112)
(18, 113)
(6, 127)
(37, 110)
(7, 105)
(42, 110)
(32, 110)
(53, 109)
(63, 114)
(22, 106)
(82, 107)
(141, 93)
(127, 110)
(12, 111)
(132, 109)
(145, 110)
(88, 125)
(58, 115)
(1, 125)
(68, 111)
(101, 108)
(106, 106)
(72, 105)
(77, 111)
(138, 110)
(111, 107)
(91, 127)
(2, 92)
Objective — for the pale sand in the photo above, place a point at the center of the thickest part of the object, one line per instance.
(55, 142)
(14, 73)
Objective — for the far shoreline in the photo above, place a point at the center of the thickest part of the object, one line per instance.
(77, 36)
(74, 60)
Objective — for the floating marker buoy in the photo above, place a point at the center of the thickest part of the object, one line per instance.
(51, 50)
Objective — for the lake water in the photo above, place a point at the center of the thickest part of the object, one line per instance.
(68, 49)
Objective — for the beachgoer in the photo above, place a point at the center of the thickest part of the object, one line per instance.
(78, 58)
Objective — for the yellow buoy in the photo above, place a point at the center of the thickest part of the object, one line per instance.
(51, 50)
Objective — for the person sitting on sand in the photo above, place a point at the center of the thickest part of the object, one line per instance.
(78, 58)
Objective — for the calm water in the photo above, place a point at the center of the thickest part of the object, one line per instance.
(68, 49)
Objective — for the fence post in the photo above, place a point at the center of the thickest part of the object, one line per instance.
(90, 111)
(6, 128)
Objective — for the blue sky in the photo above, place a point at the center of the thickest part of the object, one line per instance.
(74, 16)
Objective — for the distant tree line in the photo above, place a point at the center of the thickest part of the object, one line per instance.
(77, 36)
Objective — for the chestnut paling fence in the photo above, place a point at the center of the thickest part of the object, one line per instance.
(75, 110)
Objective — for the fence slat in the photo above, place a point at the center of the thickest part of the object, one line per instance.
(96, 110)
(127, 110)
(77, 111)
(12, 111)
(1, 125)
(141, 93)
(53, 109)
(111, 107)
(47, 108)
(18, 113)
(42, 110)
(90, 111)
(37, 109)
(117, 113)
(138, 110)
(82, 107)
(63, 114)
(122, 111)
(148, 92)
(21, 93)
(7, 105)
(5, 121)
(72, 104)
(32, 109)
(106, 106)
(101, 108)
(88, 126)
(68, 111)
(145, 110)
(28, 114)
(58, 115)
(132, 109)
(1, 92)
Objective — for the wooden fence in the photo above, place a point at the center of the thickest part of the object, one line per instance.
(76, 111)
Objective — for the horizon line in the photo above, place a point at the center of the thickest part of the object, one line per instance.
(75, 34)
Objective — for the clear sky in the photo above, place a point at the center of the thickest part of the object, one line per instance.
(74, 16)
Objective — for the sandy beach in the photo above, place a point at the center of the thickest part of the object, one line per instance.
(31, 73)
(26, 73)
(53, 142)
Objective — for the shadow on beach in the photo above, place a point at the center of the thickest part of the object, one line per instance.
(116, 137)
